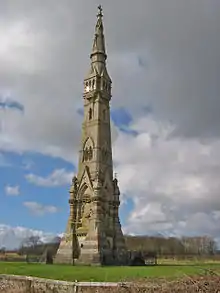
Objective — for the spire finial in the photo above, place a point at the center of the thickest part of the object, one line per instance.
(100, 11)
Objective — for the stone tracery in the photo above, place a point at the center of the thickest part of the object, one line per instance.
(88, 150)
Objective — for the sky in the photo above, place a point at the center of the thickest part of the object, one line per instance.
(164, 61)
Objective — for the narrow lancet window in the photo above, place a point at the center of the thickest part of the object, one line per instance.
(87, 154)
(90, 113)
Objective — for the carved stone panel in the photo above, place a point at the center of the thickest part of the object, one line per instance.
(86, 215)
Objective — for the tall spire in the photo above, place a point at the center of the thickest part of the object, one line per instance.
(93, 234)
(98, 55)
(99, 39)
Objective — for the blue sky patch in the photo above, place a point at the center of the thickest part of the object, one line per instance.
(11, 104)
(120, 116)
(18, 209)
(125, 209)
(12, 209)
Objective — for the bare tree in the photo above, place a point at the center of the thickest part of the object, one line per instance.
(30, 245)
(2, 250)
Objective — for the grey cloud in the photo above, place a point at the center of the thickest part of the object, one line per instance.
(178, 40)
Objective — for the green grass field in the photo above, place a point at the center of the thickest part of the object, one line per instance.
(105, 274)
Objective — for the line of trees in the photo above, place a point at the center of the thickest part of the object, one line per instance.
(172, 246)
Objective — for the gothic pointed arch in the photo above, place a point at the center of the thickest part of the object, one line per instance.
(88, 149)
(85, 183)
(89, 141)
(83, 189)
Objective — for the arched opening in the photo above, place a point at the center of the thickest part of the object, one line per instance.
(90, 113)
(87, 154)
(90, 153)
(88, 148)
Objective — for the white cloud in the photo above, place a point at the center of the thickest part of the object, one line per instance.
(12, 190)
(56, 178)
(12, 237)
(173, 182)
(39, 209)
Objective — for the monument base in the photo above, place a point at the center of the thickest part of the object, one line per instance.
(65, 254)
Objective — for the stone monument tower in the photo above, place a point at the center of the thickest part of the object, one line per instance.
(93, 234)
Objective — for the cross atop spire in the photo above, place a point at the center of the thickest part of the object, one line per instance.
(99, 39)
(100, 11)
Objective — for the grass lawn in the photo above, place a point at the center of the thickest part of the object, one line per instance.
(108, 274)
